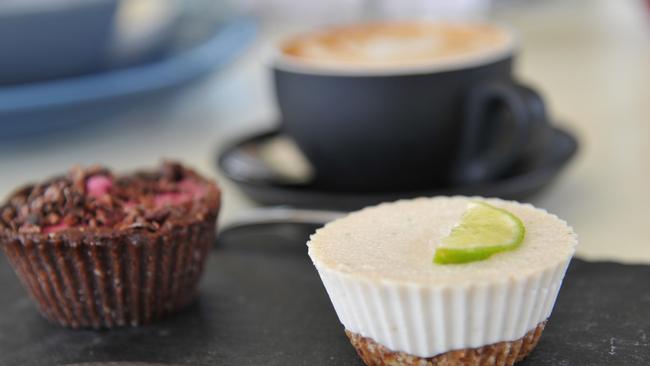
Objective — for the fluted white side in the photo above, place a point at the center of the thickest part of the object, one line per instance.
(426, 320)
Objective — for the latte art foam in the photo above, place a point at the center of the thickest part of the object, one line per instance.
(388, 45)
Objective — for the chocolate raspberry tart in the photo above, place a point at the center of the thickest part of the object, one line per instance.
(98, 250)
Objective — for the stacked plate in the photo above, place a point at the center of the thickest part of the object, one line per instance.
(78, 61)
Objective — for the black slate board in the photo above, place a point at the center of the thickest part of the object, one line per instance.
(262, 303)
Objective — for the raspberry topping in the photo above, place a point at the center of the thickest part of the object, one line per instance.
(95, 198)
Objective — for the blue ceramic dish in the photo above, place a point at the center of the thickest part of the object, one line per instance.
(51, 39)
(56, 105)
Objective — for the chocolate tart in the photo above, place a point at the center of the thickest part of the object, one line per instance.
(98, 250)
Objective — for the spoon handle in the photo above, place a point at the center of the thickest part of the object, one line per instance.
(280, 215)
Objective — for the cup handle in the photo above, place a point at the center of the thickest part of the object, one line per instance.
(483, 154)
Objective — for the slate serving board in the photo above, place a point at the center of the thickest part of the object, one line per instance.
(262, 303)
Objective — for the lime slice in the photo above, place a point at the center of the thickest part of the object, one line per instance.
(483, 230)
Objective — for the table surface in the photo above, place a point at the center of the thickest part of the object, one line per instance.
(588, 57)
(261, 302)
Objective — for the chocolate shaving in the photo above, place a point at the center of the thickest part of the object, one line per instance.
(128, 201)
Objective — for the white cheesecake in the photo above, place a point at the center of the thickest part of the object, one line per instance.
(397, 304)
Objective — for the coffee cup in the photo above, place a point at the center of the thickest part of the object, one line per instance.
(408, 105)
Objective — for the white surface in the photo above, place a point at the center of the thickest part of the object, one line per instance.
(396, 242)
(589, 58)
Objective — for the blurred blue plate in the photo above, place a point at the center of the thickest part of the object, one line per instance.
(53, 39)
(59, 105)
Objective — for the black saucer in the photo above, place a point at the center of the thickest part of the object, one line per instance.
(242, 163)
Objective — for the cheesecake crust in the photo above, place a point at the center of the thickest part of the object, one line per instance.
(497, 354)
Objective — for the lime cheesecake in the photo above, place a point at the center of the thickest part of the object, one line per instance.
(445, 280)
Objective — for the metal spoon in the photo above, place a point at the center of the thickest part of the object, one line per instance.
(279, 215)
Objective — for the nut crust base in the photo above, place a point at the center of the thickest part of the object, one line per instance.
(497, 354)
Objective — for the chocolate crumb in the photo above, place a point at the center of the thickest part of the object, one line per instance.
(95, 198)
(32, 219)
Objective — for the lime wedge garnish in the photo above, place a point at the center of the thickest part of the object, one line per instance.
(483, 230)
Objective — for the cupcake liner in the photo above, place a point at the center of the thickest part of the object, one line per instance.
(425, 321)
(128, 278)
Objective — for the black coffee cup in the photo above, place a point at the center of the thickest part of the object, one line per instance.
(372, 129)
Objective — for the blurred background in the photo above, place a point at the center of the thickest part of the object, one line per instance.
(125, 83)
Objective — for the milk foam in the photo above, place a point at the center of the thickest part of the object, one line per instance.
(395, 45)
